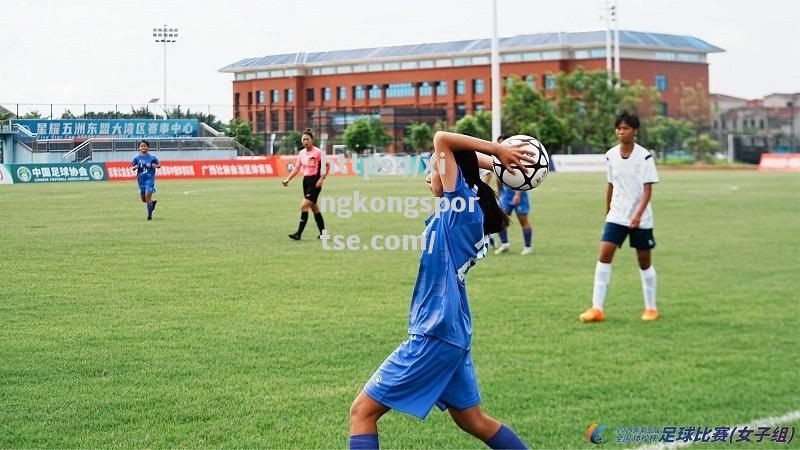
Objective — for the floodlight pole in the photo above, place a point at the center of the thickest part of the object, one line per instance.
(496, 107)
(165, 35)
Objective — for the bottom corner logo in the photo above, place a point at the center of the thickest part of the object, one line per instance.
(594, 433)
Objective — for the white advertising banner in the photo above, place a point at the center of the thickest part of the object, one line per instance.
(580, 163)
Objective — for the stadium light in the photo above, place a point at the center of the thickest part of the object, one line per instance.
(154, 100)
(165, 35)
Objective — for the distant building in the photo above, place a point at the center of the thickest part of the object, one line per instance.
(767, 124)
(444, 81)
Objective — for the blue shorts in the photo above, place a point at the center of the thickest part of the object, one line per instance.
(147, 186)
(424, 371)
(641, 238)
(524, 206)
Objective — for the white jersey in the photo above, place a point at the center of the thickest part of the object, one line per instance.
(628, 176)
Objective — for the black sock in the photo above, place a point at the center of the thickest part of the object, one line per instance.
(303, 220)
(320, 221)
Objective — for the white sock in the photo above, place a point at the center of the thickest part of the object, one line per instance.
(602, 276)
(649, 287)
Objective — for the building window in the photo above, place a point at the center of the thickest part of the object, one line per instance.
(236, 99)
(288, 116)
(531, 56)
(462, 61)
(328, 70)
(375, 91)
(360, 68)
(444, 62)
(358, 92)
(326, 94)
(291, 72)
(426, 64)
(288, 95)
(478, 107)
(309, 95)
(344, 69)
(408, 65)
(549, 82)
(530, 80)
(342, 93)
(551, 55)
(425, 89)
(391, 66)
(661, 83)
(665, 56)
(761, 124)
(662, 108)
(400, 90)
(273, 120)
(461, 111)
(511, 57)
(375, 67)
(261, 120)
(478, 86)
(441, 89)
(480, 60)
(249, 98)
(260, 97)
(461, 87)
(275, 96)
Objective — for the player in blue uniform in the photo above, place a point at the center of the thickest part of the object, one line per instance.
(434, 365)
(145, 166)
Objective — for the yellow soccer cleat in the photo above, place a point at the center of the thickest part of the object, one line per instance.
(650, 315)
(592, 315)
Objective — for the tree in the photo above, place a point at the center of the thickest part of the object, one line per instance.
(32, 115)
(420, 137)
(665, 133)
(589, 104)
(358, 135)
(378, 135)
(702, 146)
(291, 143)
(694, 106)
(470, 126)
(240, 131)
(67, 114)
(525, 111)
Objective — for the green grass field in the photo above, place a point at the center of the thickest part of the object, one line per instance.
(209, 328)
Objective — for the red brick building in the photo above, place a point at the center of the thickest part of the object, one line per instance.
(429, 82)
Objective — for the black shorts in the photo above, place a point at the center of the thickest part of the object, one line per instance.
(641, 238)
(310, 190)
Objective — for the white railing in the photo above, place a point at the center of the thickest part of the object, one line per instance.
(84, 151)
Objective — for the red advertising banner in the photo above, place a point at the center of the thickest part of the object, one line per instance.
(780, 161)
(267, 167)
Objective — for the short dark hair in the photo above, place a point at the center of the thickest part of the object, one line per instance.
(308, 132)
(628, 118)
(145, 143)
(503, 137)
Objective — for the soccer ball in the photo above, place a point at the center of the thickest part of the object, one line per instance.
(533, 173)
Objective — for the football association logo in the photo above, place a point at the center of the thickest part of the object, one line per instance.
(594, 433)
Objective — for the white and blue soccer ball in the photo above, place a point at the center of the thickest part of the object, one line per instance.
(531, 174)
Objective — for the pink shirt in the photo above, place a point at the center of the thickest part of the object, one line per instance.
(309, 161)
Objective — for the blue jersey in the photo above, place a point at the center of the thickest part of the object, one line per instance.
(507, 194)
(144, 167)
(439, 305)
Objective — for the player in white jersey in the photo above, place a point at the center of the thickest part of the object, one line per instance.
(631, 175)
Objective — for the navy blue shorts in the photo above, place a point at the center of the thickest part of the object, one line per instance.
(422, 372)
(641, 238)
(147, 187)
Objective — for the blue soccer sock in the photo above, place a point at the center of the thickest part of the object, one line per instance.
(150, 209)
(503, 236)
(505, 438)
(527, 233)
(364, 441)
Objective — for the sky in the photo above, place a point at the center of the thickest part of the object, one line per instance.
(102, 52)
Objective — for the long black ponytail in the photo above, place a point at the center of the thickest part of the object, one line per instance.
(494, 218)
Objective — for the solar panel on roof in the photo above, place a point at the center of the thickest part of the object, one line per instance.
(439, 48)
